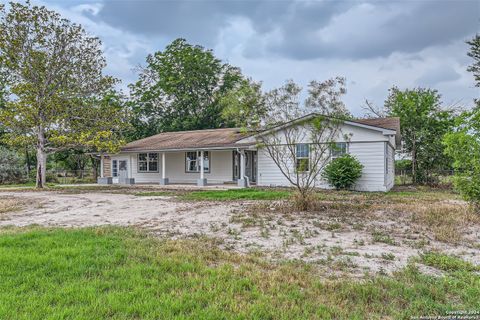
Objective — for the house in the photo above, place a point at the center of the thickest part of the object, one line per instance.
(218, 156)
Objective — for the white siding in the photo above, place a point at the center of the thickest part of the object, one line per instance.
(268, 172)
(220, 168)
(390, 177)
(370, 148)
(372, 156)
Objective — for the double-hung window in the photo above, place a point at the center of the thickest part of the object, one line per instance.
(192, 161)
(339, 149)
(148, 162)
(114, 168)
(302, 160)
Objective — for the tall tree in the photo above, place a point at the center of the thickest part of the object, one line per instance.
(474, 53)
(244, 105)
(181, 88)
(300, 149)
(422, 121)
(60, 96)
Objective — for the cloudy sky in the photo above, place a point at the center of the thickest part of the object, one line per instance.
(374, 44)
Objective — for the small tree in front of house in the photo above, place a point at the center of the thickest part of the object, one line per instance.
(300, 144)
(59, 96)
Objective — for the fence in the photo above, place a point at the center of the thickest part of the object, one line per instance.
(53, 176)
(439, 178)
(71, 176)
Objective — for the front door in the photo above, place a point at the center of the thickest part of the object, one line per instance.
(250, 161)
(122, 169)
(250, 165)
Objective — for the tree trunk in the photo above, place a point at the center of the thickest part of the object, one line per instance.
(27, 158)
(414, 162)
(94, 167)
(41, 159)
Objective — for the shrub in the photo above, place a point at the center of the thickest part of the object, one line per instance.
(11, 166)
(404, 164)
(343, 172)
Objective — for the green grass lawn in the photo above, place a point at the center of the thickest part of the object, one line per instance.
(117, 273)
(30, 184)
(237, 194)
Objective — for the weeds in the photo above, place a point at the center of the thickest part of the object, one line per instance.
(378, 236)
(446, 262)
(10, 204)
(445, 220)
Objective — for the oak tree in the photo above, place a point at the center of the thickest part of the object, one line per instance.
(59, 96)
(185, 87)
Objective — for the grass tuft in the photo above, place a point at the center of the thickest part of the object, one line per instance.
(10, 204)
(447, 262)
(445, 220)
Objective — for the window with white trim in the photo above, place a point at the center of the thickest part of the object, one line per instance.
(147, 162)
(338, 149)
(114, 168)
(302, 161)
(192, 161)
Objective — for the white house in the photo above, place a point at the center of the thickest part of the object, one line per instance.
(218, 156)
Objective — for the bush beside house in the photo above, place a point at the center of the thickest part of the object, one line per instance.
(343, 172)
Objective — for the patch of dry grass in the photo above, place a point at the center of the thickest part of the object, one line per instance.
(446, 220)
(10, 204)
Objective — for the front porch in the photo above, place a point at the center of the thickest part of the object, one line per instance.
(195, 168)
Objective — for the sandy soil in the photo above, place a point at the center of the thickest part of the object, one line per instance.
(327, 241)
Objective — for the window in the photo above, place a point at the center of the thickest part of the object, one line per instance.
(338, 149)
(114, 168)
(302, 157)
(192, 161)
(148, 162)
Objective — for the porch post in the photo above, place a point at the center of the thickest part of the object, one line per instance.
(101, 165)
(202, 181)
(243, 181)
(164, 180)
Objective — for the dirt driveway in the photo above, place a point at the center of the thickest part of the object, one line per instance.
(354, 248)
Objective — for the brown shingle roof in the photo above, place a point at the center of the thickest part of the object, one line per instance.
(211, 138)
(392, 123)
(208, 138)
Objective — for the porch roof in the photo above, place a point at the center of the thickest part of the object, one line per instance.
(195, 139)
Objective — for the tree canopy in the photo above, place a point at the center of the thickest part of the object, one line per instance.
(185, 87)
(422, 122)
(60, 97)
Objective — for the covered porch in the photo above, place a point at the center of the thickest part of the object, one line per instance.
(189, 167)
(198, 157)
